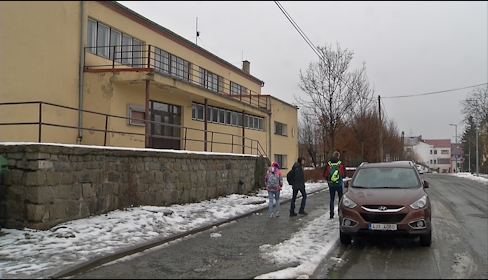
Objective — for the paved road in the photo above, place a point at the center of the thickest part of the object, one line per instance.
(234, 254)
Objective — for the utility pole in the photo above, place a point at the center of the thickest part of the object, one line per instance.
(477, 170)
(381, 129)
(455, 139)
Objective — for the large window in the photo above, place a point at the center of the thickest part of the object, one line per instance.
(226, 117)
(236, 89)
(112, 44)
(280, 128)
(210, 80)
(167, 63)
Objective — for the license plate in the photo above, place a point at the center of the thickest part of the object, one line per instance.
(382, 226)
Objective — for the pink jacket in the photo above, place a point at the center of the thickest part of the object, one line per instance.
(277, 171)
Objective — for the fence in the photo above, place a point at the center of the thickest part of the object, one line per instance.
(234, 141)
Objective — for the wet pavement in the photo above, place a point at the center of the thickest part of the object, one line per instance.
(229, 250)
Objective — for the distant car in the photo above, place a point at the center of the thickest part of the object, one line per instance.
(387, 198)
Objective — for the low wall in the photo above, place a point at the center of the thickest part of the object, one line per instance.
(48, 184)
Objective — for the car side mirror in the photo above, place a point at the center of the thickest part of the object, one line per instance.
(426, 184)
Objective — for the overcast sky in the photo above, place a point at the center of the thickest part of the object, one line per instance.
(409, 48)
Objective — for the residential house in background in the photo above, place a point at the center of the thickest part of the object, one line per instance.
(440, 155)
(434, 154)
(97, 73)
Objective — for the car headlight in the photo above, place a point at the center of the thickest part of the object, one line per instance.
(420, 203)
(348, 202)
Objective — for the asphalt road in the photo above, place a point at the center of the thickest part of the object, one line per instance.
(235, 254)
(459, 248)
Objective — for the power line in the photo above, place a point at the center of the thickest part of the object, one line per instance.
(290, 19)
(403, 96)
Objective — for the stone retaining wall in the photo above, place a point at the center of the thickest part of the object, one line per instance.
(50, 184)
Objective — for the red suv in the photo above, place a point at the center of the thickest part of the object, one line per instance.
(386, 198)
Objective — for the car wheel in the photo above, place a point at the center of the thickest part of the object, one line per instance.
(426, 239)
(345, 238)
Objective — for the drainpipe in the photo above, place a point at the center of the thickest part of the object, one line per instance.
(82, 62)
(270, 132)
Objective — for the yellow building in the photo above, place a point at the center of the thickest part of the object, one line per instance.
(82, 72)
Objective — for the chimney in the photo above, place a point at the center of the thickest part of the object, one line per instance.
(246, 66)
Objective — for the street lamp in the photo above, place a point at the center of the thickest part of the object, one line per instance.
(455, 156)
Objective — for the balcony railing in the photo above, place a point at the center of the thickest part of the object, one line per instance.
(150, 57)
(235, 143)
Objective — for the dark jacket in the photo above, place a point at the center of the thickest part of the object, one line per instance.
(299, 182)
(342, 170)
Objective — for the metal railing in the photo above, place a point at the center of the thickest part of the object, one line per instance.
(167, 64)
(241, 143)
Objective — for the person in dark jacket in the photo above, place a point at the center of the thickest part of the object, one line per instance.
(298, 185)
(335, 187)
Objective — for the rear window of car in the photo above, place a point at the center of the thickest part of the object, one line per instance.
(386, 177)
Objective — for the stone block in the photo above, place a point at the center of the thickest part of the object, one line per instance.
(35, 212)
(40, 194)
(34, 178)
(88, 190)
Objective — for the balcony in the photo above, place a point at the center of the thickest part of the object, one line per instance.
(128, 58)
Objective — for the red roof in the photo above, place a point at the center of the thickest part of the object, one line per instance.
(439, 143)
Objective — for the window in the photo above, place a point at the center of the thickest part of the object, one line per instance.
(280, 129)
(113, 44)
(103, 40)
(409, 149)
(137, 53)
(210, 80)
(281, 160)
(236, 89)
(180, 68)
(430, 151)
(167, 63)
(136, 114)
(435, 152)
(444, 161)
(197, 112)
(91, 41)
(126, 49)
(444, 152)
(233, 117)
(435, 162)
(161, 61)
(222, 116)
(226, 117)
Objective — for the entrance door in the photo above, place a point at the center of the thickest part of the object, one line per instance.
(165, 130)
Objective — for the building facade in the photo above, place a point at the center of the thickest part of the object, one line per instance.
(97, 73)
(435, 154)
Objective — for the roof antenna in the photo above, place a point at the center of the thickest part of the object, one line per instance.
(198, 33)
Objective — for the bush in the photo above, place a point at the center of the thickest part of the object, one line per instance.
(314, 175)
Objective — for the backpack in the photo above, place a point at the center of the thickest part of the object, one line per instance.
(334, 175)
(290, 176)
(273, 181)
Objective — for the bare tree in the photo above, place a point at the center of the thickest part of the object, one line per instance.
(308, 136)
(327, 83)
(363, 118)
(393, 146)
(476, 105)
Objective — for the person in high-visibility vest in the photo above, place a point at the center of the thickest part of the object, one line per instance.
(334, 174)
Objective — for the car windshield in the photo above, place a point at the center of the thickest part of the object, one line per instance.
(385, 178)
